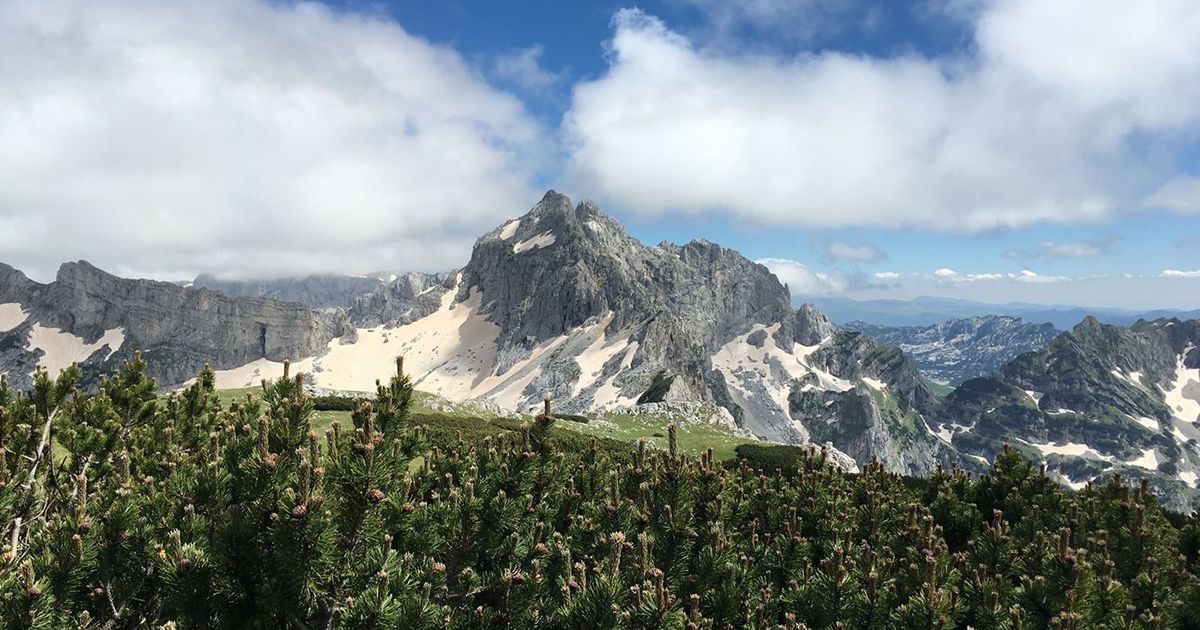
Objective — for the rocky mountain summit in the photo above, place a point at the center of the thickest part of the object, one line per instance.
(957, 350)
(608, 320)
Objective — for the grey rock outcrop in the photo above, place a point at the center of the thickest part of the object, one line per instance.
(405, 299)
(177, 329)
(562, 266)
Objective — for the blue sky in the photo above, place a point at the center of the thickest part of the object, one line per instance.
(989, 149)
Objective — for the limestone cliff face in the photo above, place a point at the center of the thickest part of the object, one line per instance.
(178, 329)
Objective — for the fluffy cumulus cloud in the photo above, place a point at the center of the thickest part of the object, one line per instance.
(804, 281)
(1060, 112)
(260, 137)
(1180, 273)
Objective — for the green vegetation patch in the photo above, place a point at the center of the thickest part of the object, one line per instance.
(192, 513)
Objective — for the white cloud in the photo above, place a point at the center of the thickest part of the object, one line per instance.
(1032, 277)
(1075, 249)
(1061, 112)
(1026, 275)
(1180, 273)
(1079, 249)
(1180, 193)
(523, 68)
(804, 281)
(887, 275)
(792, 19)
(250, 136)
(850, 252)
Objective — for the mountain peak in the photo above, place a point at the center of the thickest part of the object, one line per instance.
(1089, 325)
(553, 202)
(81, 271)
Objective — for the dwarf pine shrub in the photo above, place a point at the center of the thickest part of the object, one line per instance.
(121, 508)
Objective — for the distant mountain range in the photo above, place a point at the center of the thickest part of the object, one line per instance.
(928, 311)
(957, 350)
(1098, 399)
(561, 301)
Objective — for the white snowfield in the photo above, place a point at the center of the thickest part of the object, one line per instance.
(1149, 423)
(1070, 448)
(1148, 460)
(509, 229)
(760, 378)
(452, 353)
(11, 316)
(1183, 397)
(545, 239)
(61, 349)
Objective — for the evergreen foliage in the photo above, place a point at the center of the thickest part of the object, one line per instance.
(123, 510)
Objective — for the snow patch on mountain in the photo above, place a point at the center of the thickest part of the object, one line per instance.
(876, 384)
(1149, 423)
(252, 373)
(509, 229)
(1183, 395)
(452, 353)
(608, 395)
(545, 239)
(1070, 448)
(11, 316)
(1148, 460)
(1190, 478)
(60, 349)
